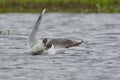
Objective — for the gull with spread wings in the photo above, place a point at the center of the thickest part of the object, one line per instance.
(47, 45)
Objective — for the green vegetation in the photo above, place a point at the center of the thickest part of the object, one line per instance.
(83, 6)
(5, 32)
(0, 32)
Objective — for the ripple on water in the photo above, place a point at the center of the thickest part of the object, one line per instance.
(96, 59)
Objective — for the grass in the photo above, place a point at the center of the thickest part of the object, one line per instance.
(76, 6)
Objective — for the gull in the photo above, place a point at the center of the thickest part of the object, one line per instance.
(47, 45)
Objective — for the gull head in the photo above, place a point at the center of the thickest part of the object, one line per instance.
(46, 43)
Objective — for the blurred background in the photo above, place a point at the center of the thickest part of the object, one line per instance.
(98, 58)
(75, 6)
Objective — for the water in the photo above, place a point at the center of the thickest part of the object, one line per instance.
(98, 58)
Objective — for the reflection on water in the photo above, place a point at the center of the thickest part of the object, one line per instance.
(5, 32)
(97, 58)
(0, 32)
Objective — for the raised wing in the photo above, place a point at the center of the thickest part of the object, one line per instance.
(33, 37)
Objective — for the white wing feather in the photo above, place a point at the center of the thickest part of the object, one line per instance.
(33, 37)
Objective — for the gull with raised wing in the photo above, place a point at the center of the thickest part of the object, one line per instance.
(51, 46)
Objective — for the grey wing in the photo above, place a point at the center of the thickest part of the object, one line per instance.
(64, 43)
(33, 37)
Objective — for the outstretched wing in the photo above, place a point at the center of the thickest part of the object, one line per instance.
(33, 37)
(64, 43)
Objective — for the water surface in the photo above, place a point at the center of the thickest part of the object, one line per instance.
(98, 58)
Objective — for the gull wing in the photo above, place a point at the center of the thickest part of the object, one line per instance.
(64, 43)
(33, 37)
